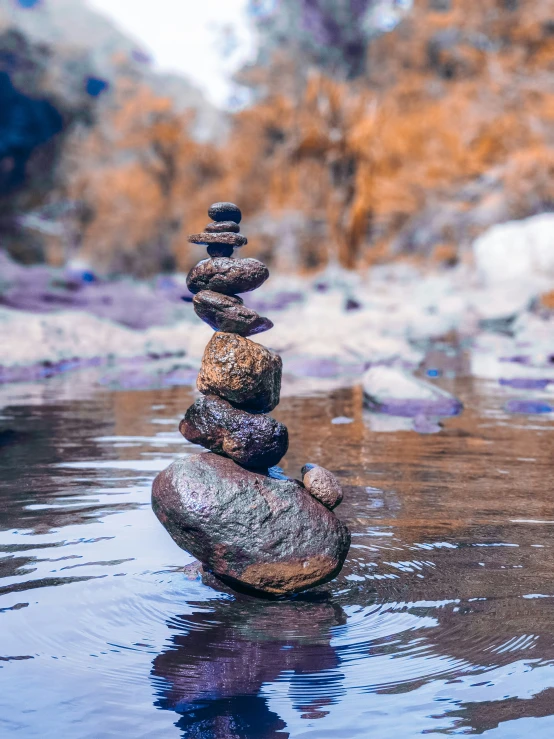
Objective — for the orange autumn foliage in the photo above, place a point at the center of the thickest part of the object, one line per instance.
(452, 124)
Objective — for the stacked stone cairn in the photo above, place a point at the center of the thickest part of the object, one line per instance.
(250, 525)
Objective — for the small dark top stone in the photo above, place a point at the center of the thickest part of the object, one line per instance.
(255, 441)
(225, 212)
(216, 228)
(228, 313)
(227, 238)
(228, 276)
(220, 250)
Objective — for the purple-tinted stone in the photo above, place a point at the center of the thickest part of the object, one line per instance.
(216, 227)
(229, 314)
(410, 408)
(426, 425)
(256, 441)
(530, 407)
(525, 383)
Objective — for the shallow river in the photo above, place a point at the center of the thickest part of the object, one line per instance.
(442, 621)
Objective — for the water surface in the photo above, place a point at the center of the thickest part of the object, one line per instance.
(442, 621)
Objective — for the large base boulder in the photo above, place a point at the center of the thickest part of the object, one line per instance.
(250, 530)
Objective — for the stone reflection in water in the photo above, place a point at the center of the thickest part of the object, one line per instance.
(217, 661)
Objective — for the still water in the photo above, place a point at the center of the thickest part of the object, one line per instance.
(442, 621)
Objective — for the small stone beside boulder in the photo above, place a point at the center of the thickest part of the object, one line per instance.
(322, 484)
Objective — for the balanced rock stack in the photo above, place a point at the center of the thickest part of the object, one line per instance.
(231, 508)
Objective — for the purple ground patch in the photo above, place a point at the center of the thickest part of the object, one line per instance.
(524, 383)
(407, 408)
(528, 407)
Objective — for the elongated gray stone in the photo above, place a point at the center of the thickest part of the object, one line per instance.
(229, 314)
(227, 238)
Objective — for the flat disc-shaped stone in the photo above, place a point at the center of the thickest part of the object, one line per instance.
(227, 237)
(228, 276)
(256, 441)
(216, 228)
(245, 373)
(247, 528)
(229, 314)
(225, 212)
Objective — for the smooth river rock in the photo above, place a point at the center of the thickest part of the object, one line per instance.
(245, 373)
(249, 529)
(225, 212)
(228, 276)
(228, 313)
(322, 484)
(216, 227)
(256, 441)
(221, 239)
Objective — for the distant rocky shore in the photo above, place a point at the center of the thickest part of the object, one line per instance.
(331, 328)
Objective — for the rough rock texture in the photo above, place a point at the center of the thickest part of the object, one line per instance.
(222, 227)
(228, 276)
(256, 441)
(228, 313)
(241, 371)
(322, 484)
(249, 529)
(227, 238)
(225, 212)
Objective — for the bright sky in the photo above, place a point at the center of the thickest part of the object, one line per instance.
(188, 36)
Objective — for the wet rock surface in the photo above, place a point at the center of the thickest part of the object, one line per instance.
(322, 484)
(229, 314)
(245, 373)
(226, 238)
(225, 212)
(228, 276)
(247, 528)
(256, 441)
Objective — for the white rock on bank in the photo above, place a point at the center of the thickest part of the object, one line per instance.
(395, 392)
(517, 250)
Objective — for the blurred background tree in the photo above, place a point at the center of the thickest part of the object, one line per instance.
(376, 130)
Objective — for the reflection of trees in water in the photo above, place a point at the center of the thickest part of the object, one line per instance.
(217, 662)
